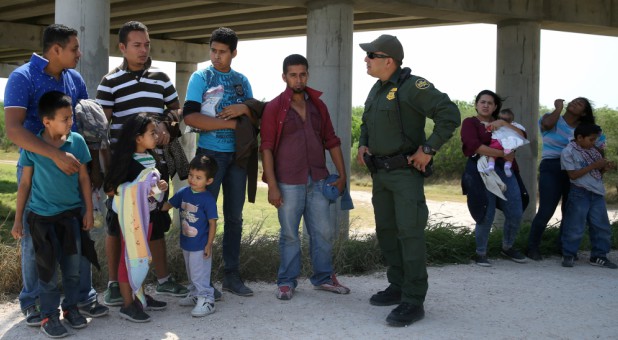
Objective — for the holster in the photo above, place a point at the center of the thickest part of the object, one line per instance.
(392, 162)
(368, 159)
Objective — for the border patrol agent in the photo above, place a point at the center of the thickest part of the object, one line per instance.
(394, 147)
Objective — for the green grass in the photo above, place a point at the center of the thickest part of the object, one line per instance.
(8, 195)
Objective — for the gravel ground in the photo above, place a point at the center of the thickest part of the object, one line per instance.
(536, 300)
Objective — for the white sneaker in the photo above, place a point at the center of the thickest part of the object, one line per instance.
(203, 307)
(188, 301)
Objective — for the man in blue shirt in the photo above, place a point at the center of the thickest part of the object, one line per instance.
(25, 86)
(210, 91)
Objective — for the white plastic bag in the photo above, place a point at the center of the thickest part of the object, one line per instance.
(210, 100)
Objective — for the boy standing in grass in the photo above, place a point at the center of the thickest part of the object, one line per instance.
(586, 204)
(198, 217)
(55, 217)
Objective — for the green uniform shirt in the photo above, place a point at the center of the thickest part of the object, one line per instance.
(419, 99)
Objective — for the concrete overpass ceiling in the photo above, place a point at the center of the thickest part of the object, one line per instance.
(187, 23)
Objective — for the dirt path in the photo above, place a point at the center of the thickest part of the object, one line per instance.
(538, 300)
(455, 213)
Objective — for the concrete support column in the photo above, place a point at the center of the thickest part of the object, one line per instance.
(188, 140)
(91, 20)
(330, 25)
(183, 73)
(517, 79)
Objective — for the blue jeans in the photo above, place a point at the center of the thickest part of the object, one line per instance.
(234, 181)
(553, 185)
(512, 210)
(49, 293)
(307, 201)
(30, 278)
(585, 206)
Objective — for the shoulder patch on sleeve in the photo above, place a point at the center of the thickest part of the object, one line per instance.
(422, 84)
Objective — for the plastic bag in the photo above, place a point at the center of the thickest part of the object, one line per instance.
(210, 100)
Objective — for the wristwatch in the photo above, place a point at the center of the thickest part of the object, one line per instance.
(428, 150)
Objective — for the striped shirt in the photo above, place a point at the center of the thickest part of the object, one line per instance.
(145, 159)
(148, 162)
(556, 139)
(128, 93)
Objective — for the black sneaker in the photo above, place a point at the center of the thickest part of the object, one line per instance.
(134, 313)
(153, 304)
(481, 260)
(33, 316)
(405, 314)
(233, 283)
(388, 297)
(94, 309)
(602, 262)
(74, 318)
(514, 255)
(534, 254)
(568, 261)
(52, 327)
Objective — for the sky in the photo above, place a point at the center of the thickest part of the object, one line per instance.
(458, 60)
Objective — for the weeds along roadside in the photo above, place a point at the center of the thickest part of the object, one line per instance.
(358, 255)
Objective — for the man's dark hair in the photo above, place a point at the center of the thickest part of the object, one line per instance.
(51, 102)
(586, 129)
(57, 34)
(129, 27)
(294, 59)
(226, 36)
(203, 163)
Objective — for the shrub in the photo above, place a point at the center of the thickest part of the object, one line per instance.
(259, 259)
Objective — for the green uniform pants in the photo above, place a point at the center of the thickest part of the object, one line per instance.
(401, 216)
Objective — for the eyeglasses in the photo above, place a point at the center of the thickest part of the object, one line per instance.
(372, 55)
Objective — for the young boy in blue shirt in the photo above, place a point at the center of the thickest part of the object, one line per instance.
(56, 217)
(198, 220)
(585, 166)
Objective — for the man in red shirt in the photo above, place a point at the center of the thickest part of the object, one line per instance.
(296, 129)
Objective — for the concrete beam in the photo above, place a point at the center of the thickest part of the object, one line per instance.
(170, 50)
(287, 24)
(230, 21)
(6, 69)
(133, 8)
(21, 36)
(26, 11)
(19, 59)
(275, 26)
(582, 16)
(192, 13)
(27, 39)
